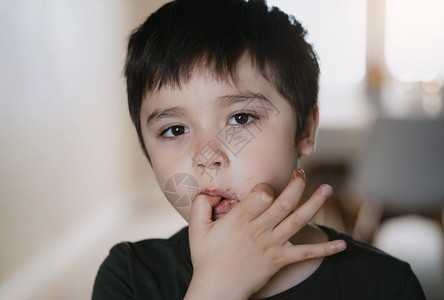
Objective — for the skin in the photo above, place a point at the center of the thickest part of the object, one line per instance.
(263, 230)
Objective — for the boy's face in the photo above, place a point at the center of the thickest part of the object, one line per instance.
(210, 136)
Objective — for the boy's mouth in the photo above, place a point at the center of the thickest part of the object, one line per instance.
(226, 202)
(224, 206)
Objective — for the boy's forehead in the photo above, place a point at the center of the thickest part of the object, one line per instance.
(250, 90)
(245, 76)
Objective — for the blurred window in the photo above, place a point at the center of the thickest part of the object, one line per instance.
(337, 30)
(414, 41)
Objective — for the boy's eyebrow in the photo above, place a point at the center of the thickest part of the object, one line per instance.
(241, 97)
(159, 113)
(224, 101)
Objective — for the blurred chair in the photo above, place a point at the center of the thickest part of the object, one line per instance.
(399, 173)
(400, 169)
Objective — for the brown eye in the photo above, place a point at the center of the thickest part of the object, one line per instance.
(174, 131)
(177, 130)
(240, 119)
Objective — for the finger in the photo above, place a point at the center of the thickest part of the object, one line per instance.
(201, 210)
(286, 202)
(297, 253)
(300, 217)
(259, 200)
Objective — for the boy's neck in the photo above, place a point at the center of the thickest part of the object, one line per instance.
(294, 274)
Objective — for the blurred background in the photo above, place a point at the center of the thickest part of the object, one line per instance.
(74, 182)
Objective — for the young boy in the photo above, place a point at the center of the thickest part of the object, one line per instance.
(223, 96)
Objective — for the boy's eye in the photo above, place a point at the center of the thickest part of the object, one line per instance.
(240, 119)
(174, 131)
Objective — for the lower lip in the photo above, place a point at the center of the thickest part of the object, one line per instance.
(223, 207)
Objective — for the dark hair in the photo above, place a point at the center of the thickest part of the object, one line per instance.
(187, 34)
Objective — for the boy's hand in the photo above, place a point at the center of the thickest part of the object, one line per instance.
(237, 255)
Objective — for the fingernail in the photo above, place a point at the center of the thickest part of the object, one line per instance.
(300, 172)
(326, 190)
(340, 245)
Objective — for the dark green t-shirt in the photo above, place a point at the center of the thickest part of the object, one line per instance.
(162, 269)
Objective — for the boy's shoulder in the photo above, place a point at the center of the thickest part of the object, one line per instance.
(360, 271)
(154, 249)
(360, 256)
(363, 269)
(136, 269)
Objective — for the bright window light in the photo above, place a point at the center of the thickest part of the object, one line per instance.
(414, 43)
(337, 29)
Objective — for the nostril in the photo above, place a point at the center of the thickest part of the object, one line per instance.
(217, 165)
(214, 160)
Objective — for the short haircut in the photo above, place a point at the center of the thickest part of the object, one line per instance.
(214, 34)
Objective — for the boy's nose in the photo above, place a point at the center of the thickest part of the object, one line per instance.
(210, 156)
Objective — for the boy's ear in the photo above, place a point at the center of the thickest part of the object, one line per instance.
(306, 144)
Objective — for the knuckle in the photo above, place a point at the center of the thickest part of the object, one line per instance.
(254, 236)
(285, 204)
(266, 198)
(309, 254)
(297, 221)
(279, 261)
(269, 244)
(264, 193)
(263, 187)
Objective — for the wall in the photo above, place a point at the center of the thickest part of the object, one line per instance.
(70, 165)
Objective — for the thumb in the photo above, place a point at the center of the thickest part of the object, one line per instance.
(202, 210)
